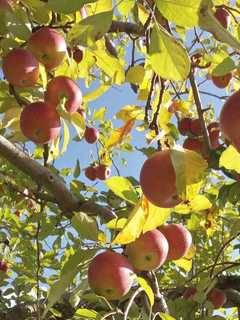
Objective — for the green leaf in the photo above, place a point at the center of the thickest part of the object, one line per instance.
(86, 226)
(169, 59)
(66, 137)
(184, 13)
(87, 30)
(144, 284)
(93, 95)
(85, 314)
(124, 7)
(99, 114)
(135, 74)
(66, 6)
(165, 316)
(226, 66)
(77, 170)
(123, 188)
(68, 273)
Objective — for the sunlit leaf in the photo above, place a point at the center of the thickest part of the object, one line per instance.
(149, 292)
(123, 188)
(230, 159)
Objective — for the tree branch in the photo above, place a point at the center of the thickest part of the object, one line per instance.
(53, 183)
(127, 27)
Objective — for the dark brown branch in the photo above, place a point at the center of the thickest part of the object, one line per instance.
(126, 27)
(51, 182)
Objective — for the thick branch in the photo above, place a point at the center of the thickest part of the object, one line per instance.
(53, 183)
(127, 27)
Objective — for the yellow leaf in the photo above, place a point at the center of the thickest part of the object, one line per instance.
(119, 134)
(142, 14)
(200, 203)
(11, 118)
(191, 252)
(135, 74)
(144, 284)
(155, 216)
(230, 159)
(164, 118)
(130, 112)
(184, 263)
(116, 223)
(134, 225)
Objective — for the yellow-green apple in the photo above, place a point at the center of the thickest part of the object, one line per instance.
(21, 68)
(179, 240)
(64, 87)
(110, 275)
(158, 180)
(91, 135)
(222, 81)
(223, 17)
(48, 46)
(40, 122)
(230, 120)
(91, 173)
(103, 172)
(217, 297)
(149, 251)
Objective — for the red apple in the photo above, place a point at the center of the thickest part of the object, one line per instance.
(110, 275)
(214, 134)
(3, 266)
(184, 125)
(21, 68)
(189, 292)
(222, 81)
(5, 5)
(48, 46)
(91, 173)
(196, 128)
(40, 122)
(217, 297)
(193, 144)
(64, 87)
(230, 119)
(158, 180)
(179, 240)
(103, 172)
(149, 251)
(91, 135)
(223, 17)
(77, 54)
(17, 213)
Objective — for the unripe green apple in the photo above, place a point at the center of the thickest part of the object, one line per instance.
(149, 251)
(40, 122)
(21, 68)
(179, 240)
(64, 87)
(48, 46)
(158, 180)
(110, 275)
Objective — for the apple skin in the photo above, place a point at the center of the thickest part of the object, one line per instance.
(110, 275)
(184, 126)
(103, 172)
(179, 240)
(3, 266)
(21, 68)
(158, 180)
(40, 122)
(91, 135)
(214, 133)
(230, 120)
(5, 5)
(189, 292)
(149, 251)
(77, 54)
(222, 81)
(193, 144)
(91, 173)
(217, 297)
(223, 17)
(61, 87)
(196, 128)
(48, 46)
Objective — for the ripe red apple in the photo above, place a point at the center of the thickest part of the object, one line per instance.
(149, 251)
(184, 125)
(189, 292)
(3, 266)
(179, 240)
(5, 5)
(230, 119)
(48, 46)
(223, 17)
(17, 213)
(158, 180)
(21, 68)
(222, 81)
(91, 173)
(103, 172)
(193, 144)
(64, 87)
(110, 275)
(91, 135)
(196, 128)
(214, 134)
(40, 122)
(217, 297)
(77, 54)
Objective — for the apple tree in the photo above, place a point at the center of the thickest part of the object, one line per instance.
(90, 242)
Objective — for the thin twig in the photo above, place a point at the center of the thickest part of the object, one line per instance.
(135, 294)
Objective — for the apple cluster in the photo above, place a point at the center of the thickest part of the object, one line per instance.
(39, 120)
(110, 274)
(101, 172)
(216, 296)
